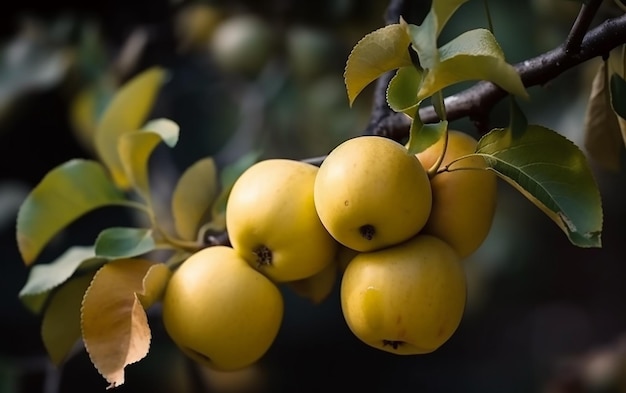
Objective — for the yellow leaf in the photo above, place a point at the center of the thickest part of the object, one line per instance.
(154, 284)
(127, 112)
(135, 150)
(382, 50)
(60, 327)
(83, 116)
(473, 55)
(113, 321)
(193, 197)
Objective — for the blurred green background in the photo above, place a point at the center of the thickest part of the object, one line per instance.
(266, 77)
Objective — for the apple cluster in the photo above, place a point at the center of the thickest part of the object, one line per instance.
(370, 215)
(405, 235)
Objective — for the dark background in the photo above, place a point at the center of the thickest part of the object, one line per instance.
(542, 315)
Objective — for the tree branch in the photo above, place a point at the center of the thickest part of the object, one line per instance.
(381, 118)
(581, 25)
(477, 101)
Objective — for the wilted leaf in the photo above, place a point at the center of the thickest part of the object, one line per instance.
(66, 193)
(127, 112)
(60, 327)
(603, 142)
(424, 37)
(44, 277)
(402, 90)
(551, 172)
(113, 321)
(422, 136)
(122, 242)
(193, 197)
(474, 55)
(136, 148)
(382, 50)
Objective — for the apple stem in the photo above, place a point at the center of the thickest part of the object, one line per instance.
(432, 171)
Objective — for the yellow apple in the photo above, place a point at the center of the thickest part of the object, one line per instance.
(405, 299)
(371, 193)
(464, 200)
(317, 287)
(272, 222)
(221, 312)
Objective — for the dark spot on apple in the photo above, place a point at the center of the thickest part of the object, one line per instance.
(367, 231)
(392, 343)
(346, 202)
(263, 256)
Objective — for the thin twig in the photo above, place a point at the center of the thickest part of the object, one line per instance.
(537, 71)
(581, 25)
(477, 101)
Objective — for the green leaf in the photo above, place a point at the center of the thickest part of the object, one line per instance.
(193, 197)
(60, 326)
(422, 136)
(382, 50)
(122, 242)
(424, 42)
(135, 150)
(442, 11)
(518, 124)
(66, 193)
(126, 113)
(474, 55)
(402, 90)
(552, 172)
(424, 37)
(44, 277)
